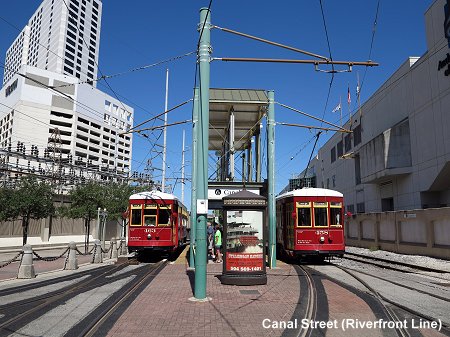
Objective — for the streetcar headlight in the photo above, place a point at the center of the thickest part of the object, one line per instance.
(322, 239)
(149, 236)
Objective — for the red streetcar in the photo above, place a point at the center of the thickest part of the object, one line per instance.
(310, 223)
(158, 222)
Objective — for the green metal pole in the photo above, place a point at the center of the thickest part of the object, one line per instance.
(202, 157)
(271, 179)
(194, 180)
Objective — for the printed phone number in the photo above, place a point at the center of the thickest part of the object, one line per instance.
(245, 268)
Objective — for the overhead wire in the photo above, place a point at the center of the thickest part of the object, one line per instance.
(374, 29)
(329, 88)
(130, 70)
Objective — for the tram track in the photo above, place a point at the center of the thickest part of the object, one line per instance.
(400, 284)
(383, 300)
(389, 264)
(56, 295)
(18, 315)
(94, 324)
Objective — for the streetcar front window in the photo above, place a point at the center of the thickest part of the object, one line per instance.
(150, 213)
(303, 217)
(136, 217)
(164, 216)
(320, 217)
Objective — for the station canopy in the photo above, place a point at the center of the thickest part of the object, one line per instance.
(248, 105)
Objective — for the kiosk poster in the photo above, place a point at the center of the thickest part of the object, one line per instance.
(244, 241)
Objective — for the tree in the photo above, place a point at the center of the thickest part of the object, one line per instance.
(117, 197)
(6, 204)
(85, 201)
(32, 199)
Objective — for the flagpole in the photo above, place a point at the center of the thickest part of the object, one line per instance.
(349, 101)
(359, 98)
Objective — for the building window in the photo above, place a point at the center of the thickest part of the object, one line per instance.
(357, 135)
(357, 170)
(68, 70)
(70, 56)
(69, 63)
(348, 143)
(387, 204)
(340, 149)
(333, 154)
(360, 208)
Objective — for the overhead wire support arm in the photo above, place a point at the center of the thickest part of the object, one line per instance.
(313, 117)
(157, 116)
(314, 127)
(272, 43)
(315, 62)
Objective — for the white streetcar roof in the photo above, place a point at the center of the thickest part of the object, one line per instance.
(311, 192)
(157, 195)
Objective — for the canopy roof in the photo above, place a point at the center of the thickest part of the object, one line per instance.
(248, 105)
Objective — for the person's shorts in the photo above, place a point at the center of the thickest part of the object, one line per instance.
(219, 247)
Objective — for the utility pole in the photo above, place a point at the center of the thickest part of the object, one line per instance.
(271, 179)
(182, 171)
(163, 187)
(193, 218)
(202, 157)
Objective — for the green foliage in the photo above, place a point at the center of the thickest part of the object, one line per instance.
(85, 200)
(6, 204)
(117, 196)
(31, 199)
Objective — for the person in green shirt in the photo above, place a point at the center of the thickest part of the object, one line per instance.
(218, 244)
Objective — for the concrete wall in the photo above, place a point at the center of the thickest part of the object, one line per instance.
(421, 232)
(53, 230)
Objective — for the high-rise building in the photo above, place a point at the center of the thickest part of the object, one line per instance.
(62, 36)
(52, 117)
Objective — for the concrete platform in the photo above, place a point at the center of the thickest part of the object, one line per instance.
(164, 308)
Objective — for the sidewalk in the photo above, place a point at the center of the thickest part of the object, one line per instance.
(164, 308)
(10, 270)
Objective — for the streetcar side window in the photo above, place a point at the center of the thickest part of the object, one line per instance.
(164, 216)
(335, 214)
(136, 217)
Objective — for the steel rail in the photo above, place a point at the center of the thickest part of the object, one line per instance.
(107, 312)
(51, 298)
(311, 307)
(404, 264)
(447, 299)
(381, 298)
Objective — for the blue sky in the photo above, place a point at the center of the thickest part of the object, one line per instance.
(139, 32)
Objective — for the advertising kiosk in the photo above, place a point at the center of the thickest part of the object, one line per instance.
(244, 254)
